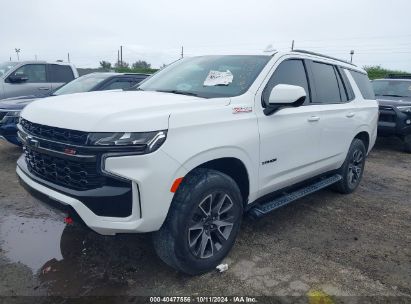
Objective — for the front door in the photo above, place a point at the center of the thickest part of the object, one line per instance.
(289, 138)
(36, 83)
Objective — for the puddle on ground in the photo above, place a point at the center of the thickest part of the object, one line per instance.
(31, 241)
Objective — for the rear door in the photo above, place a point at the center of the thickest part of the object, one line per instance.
(58, 75)
(289, 138)
(333, 98)
(36, 83)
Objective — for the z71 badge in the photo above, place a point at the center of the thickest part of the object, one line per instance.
(238, 110)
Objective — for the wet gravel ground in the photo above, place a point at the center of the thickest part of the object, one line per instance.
(355, 245)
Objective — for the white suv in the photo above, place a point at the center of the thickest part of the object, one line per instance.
(199, 144)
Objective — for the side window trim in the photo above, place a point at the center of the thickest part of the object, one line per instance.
(346, 83)
(340, 85)
(310, 77)
(306, 76)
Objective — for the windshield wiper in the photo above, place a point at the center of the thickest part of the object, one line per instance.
(390, 95)
(178, 92)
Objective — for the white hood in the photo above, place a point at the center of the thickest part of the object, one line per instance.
(115, 111)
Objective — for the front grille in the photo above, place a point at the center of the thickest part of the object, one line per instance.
(56, 134)
(387, 114)
(75, 175)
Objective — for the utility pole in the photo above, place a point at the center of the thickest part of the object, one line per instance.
(121, 55)
(10, 58)
(182, 52)
(118, 58)
(352, 54)
(68, 57)
(292, 46)
(17, 52)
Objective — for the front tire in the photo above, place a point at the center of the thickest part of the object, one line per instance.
(202, 223)
(352, 168)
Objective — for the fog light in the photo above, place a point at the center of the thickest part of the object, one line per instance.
(408, 121)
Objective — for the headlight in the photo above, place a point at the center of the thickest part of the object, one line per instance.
(150, 141)
(13, 114)
(405, 109)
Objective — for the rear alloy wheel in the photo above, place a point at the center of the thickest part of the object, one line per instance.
(202, 223)
(355, 167)
(352, 168)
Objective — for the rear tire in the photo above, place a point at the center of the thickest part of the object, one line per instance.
(352, 168)
(407, 143)
(202, 223)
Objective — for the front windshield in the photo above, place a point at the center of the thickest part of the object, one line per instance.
(6, 66)
(396, 88)
(82, 84)
(208, 76)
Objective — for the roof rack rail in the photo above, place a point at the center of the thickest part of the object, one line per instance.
(398, 76)
(321, 55)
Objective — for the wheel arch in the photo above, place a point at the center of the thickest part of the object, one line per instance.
(364, 136)
(235, 164)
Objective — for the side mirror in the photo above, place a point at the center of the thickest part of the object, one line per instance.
(18, 78)
(285, 94)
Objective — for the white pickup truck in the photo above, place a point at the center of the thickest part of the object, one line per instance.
(198, 145)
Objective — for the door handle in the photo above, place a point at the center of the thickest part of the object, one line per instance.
(44, 88)
(351, 114)
(314, 118)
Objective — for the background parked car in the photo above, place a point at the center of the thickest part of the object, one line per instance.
(33, 77)
(10, 108)
(394, 98)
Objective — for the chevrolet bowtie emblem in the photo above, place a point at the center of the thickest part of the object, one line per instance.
(32, 142)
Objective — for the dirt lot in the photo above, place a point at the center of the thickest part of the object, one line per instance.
(356, 245)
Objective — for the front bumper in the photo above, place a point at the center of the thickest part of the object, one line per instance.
(393, 122)
(151, 177)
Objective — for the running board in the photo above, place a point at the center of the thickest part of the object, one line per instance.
(263, 208)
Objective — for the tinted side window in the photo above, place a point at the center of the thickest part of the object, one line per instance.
(364, 84)
(60, 73)
(288, 72)
(341, 85)
(120, 84)
(346, 83)
(34, 72)
(326, 83)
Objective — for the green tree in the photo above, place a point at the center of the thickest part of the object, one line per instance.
(105, 65)
(376, 71)
(141, 64)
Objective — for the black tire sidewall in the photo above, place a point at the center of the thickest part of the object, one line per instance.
(190, 198)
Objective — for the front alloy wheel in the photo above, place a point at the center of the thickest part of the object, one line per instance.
(202, 223)
(211, 225)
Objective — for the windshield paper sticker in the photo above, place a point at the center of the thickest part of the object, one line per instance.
(216, 78)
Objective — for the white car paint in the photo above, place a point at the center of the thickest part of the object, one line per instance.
(305, 141)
